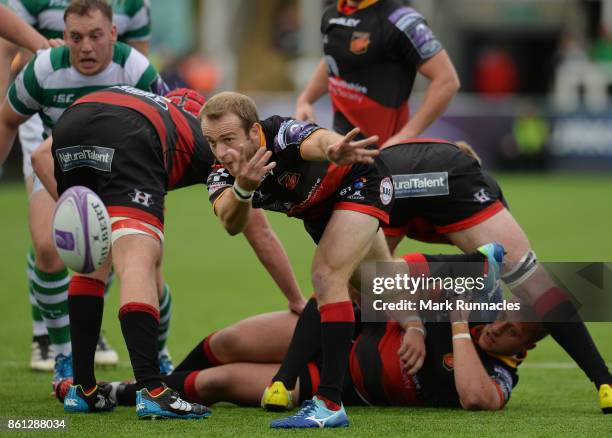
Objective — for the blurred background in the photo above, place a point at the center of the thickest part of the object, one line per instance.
(536, 74)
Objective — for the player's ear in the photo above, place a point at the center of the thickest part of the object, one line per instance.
(114, 33)
(255, 131)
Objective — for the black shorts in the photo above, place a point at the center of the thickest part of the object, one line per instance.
(367, 189)
(438, 190)
(115, 152)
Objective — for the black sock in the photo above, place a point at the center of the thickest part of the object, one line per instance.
(560, 318)
(337, 326)
(140, 324)
(85, 309)
(200, 358)
(305, 344)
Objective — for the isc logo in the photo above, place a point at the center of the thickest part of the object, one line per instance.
(63, 98)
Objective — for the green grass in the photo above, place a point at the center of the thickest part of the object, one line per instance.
(216, 280)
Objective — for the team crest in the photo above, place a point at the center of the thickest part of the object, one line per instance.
(289, 180)
(448, 361)
(360, 42)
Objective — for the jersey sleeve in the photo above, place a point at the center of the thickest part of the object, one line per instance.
(26, 94)
(217, 182)
(139, 25)
(143, 75)
(503, 379)
(411, 38)
(290, 134)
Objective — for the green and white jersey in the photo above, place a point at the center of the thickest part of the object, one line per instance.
(132, 17)
(49, 83)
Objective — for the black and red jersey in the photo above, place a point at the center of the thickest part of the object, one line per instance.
(373, 53)
(305, 189)
(187, 155)
(376, 372)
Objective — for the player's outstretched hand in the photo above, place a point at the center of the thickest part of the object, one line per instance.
(56, 42)
(346, 151)
(412, 351)
(248, 173)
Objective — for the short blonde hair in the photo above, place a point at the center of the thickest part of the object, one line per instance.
(234, 103)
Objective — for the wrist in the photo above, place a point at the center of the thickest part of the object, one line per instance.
(241, 194)
(459, 327)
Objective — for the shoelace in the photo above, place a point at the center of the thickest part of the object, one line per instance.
(307, 408)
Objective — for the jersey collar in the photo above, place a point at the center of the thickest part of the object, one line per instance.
(347, 10)
(511, 361)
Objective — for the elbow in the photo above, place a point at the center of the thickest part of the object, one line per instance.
(232, 229)
(476, 402)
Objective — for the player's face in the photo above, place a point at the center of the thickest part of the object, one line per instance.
(503, 337)
(90, 39)
(227, 133)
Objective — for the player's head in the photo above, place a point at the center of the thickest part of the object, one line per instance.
(230, 121)
(90, 35)
(508, 337)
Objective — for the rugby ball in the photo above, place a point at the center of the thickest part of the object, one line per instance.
(81, 230)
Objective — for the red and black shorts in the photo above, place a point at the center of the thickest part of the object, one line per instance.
(116, 153)
(367, 189)
(438, 190)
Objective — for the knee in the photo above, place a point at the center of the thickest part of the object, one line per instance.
(46, 257)
(227, 345)
(214, 384)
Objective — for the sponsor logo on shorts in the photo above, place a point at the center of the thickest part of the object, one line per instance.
(64, 240)
(141, 198)
(96, 157)
(421, 184)
(360, 41)
(386, 191)
(482, 196)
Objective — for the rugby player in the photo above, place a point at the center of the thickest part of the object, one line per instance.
(442, 195)
(45, 269)
(472, 368)
(304, 171)
(373, 50)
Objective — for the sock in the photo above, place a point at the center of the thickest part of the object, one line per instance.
(560, 317)
(337, 326)
(86, 305)
(38, 323)
(183, 382)
(51, 293)
(139, 324)
(305, 344)
(165, 313)
(200, 358)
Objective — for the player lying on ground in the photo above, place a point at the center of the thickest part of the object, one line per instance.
(151, 146)
(473, 368)
(443, 195)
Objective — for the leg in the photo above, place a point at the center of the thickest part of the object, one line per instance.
(260, 339)
(347, 240)
(50, 279)
(165, 315)
(538, 289)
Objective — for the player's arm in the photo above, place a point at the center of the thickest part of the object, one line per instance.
(315, 88)
(476, 389)
(19, 32)
(272, 255)
(138, 30)
(233, 206)
(9, 123)
(42, 163)
(443, 85)
(8, 51)
(325, 145)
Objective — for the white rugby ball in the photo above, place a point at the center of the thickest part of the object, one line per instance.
(81, 230)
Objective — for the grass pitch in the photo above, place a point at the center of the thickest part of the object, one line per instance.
(216, 280)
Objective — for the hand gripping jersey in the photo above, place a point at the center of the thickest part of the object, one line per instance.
(372, 56)
(132, 17)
